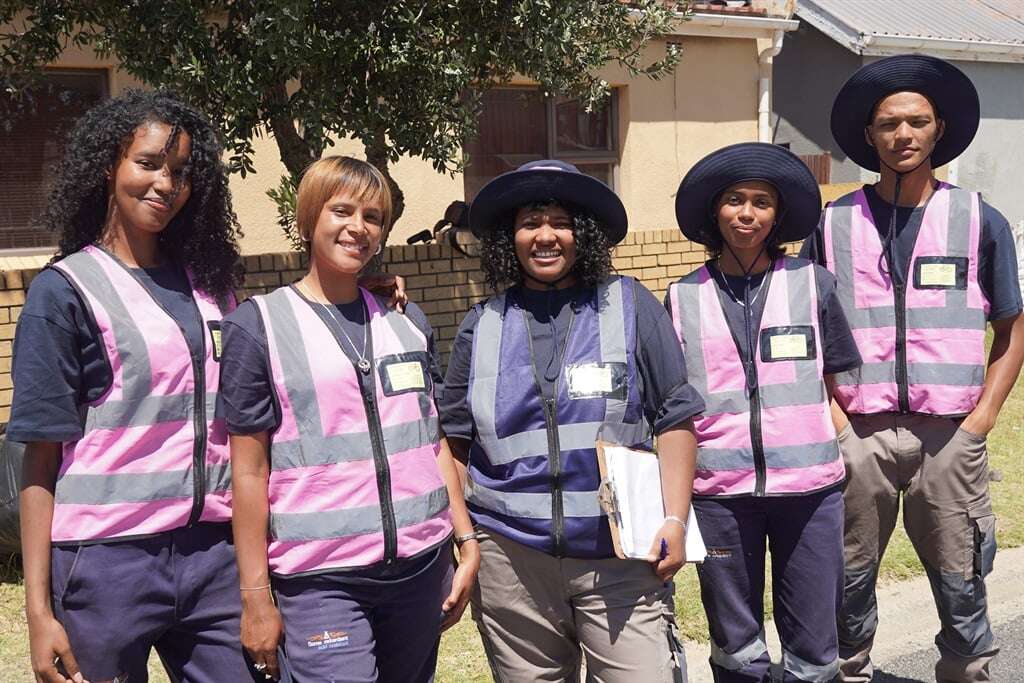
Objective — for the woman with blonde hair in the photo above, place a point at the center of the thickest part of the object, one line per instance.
(336, 450)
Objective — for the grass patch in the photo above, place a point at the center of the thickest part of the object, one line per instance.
(462, 659)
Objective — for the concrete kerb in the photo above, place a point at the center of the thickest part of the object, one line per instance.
(906, 613)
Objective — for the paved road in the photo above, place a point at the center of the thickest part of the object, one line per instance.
(1008, 667)
(908, 623)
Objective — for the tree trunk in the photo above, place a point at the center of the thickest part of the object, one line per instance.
(377, 156)
(296, 154)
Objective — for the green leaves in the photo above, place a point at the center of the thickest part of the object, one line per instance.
(312, 71)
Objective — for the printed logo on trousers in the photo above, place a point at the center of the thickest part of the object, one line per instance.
(327, 640)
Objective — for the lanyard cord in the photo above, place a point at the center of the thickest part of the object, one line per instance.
(550, 287)
(748, 321)
(886, 258)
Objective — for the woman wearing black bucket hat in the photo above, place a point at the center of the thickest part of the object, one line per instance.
(922, 267)
(565, 355)
(762, 333)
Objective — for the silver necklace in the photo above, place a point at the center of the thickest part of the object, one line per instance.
(363, 363)
(732, 293)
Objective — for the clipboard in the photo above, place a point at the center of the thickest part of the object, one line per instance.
(630, 495)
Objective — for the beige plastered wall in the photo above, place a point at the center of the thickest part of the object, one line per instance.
(663, 128)
(666, 126)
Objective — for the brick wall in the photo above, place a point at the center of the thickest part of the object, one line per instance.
(443, 282)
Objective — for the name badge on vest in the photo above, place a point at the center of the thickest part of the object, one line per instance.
(403, 373)
(596, 380)
(792, 342)
(215, 340)
(940, 272)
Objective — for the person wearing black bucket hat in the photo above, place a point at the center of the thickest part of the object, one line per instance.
(566, 354)
(762, 334)
(922, 268)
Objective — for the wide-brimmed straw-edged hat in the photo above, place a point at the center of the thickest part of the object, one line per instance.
(949, 89)
(543, 180)
(799, 195)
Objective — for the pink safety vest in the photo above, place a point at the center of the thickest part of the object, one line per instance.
(777, 438)
(354, 478)
(134, 471)
(923, 342)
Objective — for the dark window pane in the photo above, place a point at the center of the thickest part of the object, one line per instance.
(602, 172)
(512, 131)
(577, 130)
(32, 136)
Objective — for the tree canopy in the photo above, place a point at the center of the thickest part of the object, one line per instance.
(401, 76)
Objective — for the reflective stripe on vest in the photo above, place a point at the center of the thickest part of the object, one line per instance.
(533, 472)
(132, 472)
(778, 439)
(923, 342)
(346, 484)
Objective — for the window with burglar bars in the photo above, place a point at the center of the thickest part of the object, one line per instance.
(33, 131)
(518, 125)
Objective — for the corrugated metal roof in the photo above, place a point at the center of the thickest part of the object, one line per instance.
(981, 21)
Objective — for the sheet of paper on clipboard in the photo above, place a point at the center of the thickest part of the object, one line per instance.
(631, 497)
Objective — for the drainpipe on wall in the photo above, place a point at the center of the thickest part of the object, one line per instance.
(764, 87)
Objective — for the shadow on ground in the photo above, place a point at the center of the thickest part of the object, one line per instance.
(883, 677)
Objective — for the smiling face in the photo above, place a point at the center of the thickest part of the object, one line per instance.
(545, 245)
(746, 214)
(904, 130)
(148, 184)
(347, 233)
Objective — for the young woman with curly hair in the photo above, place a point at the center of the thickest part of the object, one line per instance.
(126, 498)
(567, 354)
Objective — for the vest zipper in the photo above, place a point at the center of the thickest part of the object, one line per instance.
(550, 406)
(752, 383)
(199, 422)
(199, 395)
(901, 347)
(380, 463)
(555, 461)
(757, 442)
(380, 455)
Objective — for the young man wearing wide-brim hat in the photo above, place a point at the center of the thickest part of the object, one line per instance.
(566, 354)
(762, 334)
(922, 267)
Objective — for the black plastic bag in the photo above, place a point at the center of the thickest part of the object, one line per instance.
(11, 455)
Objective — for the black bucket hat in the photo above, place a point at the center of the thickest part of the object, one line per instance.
(542, 180)
(712, 175)
(949, 88)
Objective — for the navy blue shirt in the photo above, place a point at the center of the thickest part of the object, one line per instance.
(59, 361)
(997, 263)
(839, 352)
(668, 399)
(246, 389)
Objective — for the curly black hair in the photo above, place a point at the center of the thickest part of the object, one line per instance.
(202, 236)
(593, 248)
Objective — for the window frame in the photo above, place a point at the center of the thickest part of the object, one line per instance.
(612, 156)
(104, 76)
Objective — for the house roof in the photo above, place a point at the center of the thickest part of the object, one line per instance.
(980, 30)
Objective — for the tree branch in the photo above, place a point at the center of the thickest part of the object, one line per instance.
(296, 153)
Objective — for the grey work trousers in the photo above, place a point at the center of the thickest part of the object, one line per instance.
(941, 473)
(538, 614)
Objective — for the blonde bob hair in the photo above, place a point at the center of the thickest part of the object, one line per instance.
(334, 175)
